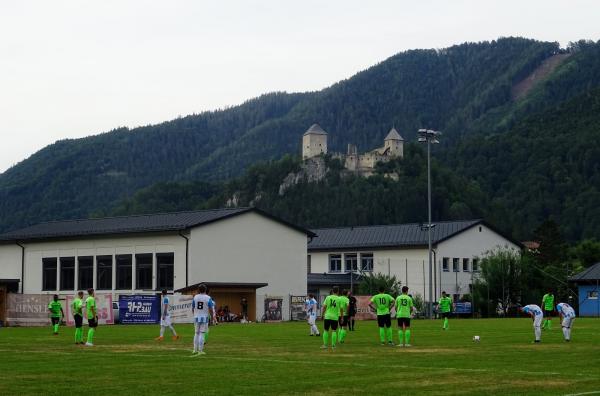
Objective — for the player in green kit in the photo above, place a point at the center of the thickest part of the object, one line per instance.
(331, 314)
(548, 307)
(383, 305)
(445, 308)
(92, 316)
(56, 313)
(344, 302)
(404, 310)
(77, 309)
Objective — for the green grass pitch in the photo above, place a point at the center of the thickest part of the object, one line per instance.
(281, 359)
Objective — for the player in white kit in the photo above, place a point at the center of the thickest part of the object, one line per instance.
(311, 315)
(203, 308)
(567, 316)
(537, 315)
(165, 318)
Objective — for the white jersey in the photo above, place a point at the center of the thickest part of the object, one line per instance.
(566, 310)
(164, 307)
(202, 305)
(311, 307)
(534, 309)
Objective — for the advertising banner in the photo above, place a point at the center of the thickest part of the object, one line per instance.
(462, 308)
(139, 309)
(180, 308)
(273, 309)
(363, 312)
(103, 309)
(28, 309)
(298, 307)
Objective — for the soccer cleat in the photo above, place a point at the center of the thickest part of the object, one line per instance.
(201, 353)
(318, 334)
(407, 345)
(311, 335)
(175, 337)
(194, 354)
(159, 338)
(323, 346)
(89, 344)
(390, 343)
(536, 341)
(400, 345)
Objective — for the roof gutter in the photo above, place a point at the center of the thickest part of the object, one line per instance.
(22, 266)
(187, 250)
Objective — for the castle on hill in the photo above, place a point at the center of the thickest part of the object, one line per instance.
(314, 143)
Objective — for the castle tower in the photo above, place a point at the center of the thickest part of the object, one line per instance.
(314, 142)
(393, 144)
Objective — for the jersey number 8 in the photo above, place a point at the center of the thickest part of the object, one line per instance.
(200, 305)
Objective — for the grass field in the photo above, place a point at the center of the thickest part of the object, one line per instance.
(282, 359)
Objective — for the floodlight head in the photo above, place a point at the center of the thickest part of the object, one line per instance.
(422, 130)
(422, 139)
(435, 141)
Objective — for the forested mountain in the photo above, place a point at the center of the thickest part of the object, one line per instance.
(464, 90)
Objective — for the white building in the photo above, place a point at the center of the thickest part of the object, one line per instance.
(402, 250)
(234, 251)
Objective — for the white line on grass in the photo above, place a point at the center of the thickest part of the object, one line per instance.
(584, 393)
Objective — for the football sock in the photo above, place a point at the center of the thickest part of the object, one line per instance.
(195, 342)
(390, 334)
(407, 336)
(315, 329)
(342, 335)
(382, 334)
(538, 333)
(173, 330)
(200, 342)
(90, 337)
(445, 323)
(333, 338)
(400, 336)
(162, 331)
(352, 327)
(81, 334)
(545, 324)
(76, 334)
(565, 333)
(206, 337)
(326, 338)
(569, 333)
(549, 324)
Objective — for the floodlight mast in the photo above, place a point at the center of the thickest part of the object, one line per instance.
(430, 137)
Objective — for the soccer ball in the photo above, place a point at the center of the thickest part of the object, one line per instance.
(475, 338)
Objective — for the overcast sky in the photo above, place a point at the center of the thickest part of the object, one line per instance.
(77, 68)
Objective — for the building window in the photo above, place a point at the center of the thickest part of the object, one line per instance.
(123, 263)
(466, 265)
(445, 264)
(335, 263)
(165, 263)
(475, 265)
(143, 271)
(366, 262)
(85, 272)
(351, 262)
(67, 273)
(49, 273)
(308, 264)
(104, 272)
(455, 264)
(592, 295)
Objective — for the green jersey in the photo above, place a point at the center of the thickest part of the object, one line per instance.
(90, 303)
(77, 306)
(332, 310)
(383, 303)
(548, 302)
(404, 304)
(445, 304)
(344, 302)
(54, 307)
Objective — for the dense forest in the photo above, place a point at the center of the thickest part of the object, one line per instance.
(514, 161)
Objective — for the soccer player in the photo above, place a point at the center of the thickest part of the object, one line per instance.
(311, 314)
(77, 308)
(331, 315)
(351, 310)
(567, 316)
(404, 310)
(445, 308)
(56, 313)
(203, 309)
(383, 305)
(92, 316)
(165, 318)
(537, 315)
(344, 302)
(548, 304)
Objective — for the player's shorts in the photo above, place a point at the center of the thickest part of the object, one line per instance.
(92, 323)
(311, 319)
(201, 327)
(384, 320)
(445, 315)
(78, 320)
(343, 321)
(330, 324)
(403, 321)
(351, 311)
(537, 321)
(166, 321)
(55, 321)
(567, 321)
(547, 313)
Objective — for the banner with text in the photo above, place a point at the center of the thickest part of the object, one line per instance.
(139, 309)
(298, 307)
(180, 308)
(28, 309)
(363, 311)
(103, 310)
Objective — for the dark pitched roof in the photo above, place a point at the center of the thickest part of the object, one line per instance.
(131, 224)
(589, 274)
(332, 279)
(388, 235)
(315, 129)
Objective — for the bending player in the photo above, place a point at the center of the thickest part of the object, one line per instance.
(203, 309)
(56, 313)
(331, 315)
(383, 305)
(311, 315)
(537, 315)
(404, 310)
(567, 316)
(165, 318)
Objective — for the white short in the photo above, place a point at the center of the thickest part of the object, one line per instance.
(567, 321)
(166, 321)
(311, 319)
(537, 322)
(201, 327)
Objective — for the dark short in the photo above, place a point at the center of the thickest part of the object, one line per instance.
(78, 320)
(445, 315)
(330, 324)
(384, 320)
(343, 321)
(55, 321)
(403, 321)
(92, 323)
(351, 311)
(547, 314)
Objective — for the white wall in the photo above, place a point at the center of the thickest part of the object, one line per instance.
(10, 262)
(250, 248)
